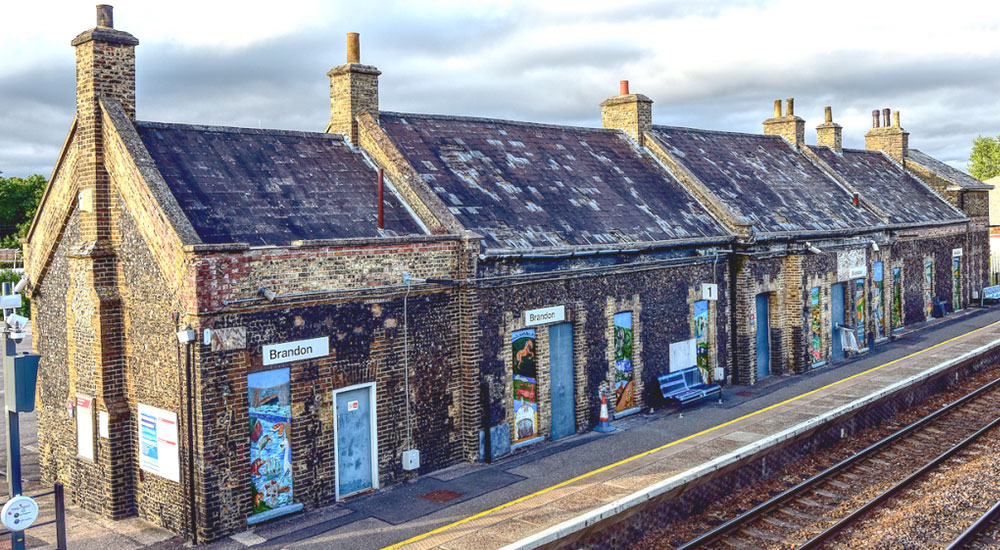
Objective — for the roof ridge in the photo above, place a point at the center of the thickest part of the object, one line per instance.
(235, 130)
(704, 131)
(502, 120)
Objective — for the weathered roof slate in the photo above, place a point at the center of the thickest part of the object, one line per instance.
(524, 185)
(270, 187)
(945, 171)
(773, 186)
(887, 186)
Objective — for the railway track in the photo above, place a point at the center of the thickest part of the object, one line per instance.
(983, 534)
(824, 509)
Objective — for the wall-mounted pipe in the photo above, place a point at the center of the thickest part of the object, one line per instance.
(381, 199)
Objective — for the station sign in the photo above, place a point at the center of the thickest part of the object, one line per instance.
(544, 316)
(275, 354)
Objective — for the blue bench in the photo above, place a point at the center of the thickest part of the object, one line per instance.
(686, 386)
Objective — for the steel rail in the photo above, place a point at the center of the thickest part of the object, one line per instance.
(849, 520)
(980, 525)
(719, 532)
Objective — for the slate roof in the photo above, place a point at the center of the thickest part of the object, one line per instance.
(270, 187)
(770, 184)
(944, 170)
(896, 192)
(524, 185)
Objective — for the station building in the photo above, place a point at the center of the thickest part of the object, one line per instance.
(237, 324)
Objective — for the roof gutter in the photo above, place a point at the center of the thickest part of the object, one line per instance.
(558, 253)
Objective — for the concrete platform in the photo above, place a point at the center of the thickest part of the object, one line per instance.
(584, 500)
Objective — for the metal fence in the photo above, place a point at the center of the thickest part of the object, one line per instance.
(995, 268)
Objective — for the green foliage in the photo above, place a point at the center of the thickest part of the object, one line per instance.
(12, 277)
(984, 160)
(19, 198)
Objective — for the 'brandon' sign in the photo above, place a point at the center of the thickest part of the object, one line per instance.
(275, 354)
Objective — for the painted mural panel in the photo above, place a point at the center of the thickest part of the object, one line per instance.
(859, 312)
(815, 327)
(928, 290)
(956, 283)
(270, 450)
(624, 373)
(897, 298)
(878, 305)
(525, 384)
(701, 339)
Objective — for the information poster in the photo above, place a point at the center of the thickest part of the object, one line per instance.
(158, 451)
(701, 339)
(624, 375)
(85, 426)
(815, 327)
(525, 384)
(928, 290)
(859, 312)
(897, 298)
(270, 397)
(878, 305)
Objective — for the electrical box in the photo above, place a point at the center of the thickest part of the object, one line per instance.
(19, 385)
(718, 373)
(411, 459)
(709, 291)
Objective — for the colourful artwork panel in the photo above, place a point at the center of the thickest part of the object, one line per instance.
(701, 339)
(859, 312)
(956, 285)
(815, 327)
(878, 307)
(897, 298)
(928, 290)
(525, 384)
(270, 450)
(624, 374)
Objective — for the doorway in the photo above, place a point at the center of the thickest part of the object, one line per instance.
(563, 380)
(836, 319)
(763, 338)
(355, 440)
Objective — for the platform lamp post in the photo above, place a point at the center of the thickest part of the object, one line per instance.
(19, 376)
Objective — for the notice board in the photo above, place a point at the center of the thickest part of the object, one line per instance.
(158, 452)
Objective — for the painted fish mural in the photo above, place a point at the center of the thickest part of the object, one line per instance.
(270, 449)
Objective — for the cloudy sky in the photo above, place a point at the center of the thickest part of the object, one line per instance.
(706, 63)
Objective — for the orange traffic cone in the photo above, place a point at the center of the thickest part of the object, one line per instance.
(603, 425)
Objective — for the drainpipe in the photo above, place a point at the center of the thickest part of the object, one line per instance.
(381, 201)
(186, 337)
(734, 322)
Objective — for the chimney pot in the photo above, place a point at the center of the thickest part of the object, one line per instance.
(885, 117)
(623, 87)
(105, 17)
(895, 118)
(777, 108)
(353, 48)
(875, 118)
(790, 106)
(828, 114)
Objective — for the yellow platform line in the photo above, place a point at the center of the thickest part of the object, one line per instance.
(489, 511)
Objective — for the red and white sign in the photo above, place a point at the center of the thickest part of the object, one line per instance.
(85, 426)
(352, 405)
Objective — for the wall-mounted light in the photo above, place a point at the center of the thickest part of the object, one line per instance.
(874, 246)
(813, 249)
(269, 294)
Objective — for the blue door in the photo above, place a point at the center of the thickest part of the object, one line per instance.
(561, 374)
(354, 442)
(836, 317)
(763, 338)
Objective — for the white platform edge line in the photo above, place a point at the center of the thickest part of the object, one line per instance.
(596, 515)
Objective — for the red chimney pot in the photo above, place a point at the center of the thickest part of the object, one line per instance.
(623, 87)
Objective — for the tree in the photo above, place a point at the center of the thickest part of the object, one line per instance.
(19, 198)
(984, 160)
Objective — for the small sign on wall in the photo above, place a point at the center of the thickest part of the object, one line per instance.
(103, 424)
(299, 350)
(956, 253)
(683, 354)
(158, 451)
(85, 426)
(709, 291)
(544, 316)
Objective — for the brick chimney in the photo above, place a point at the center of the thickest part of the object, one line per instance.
(353, 90)
(789, 126)
(829, 133)
(632, 113)
(890, 139)
(105, 72)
